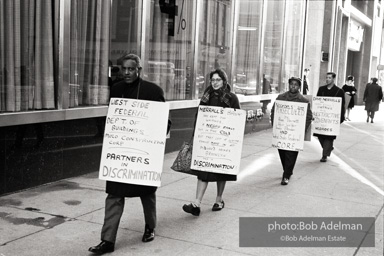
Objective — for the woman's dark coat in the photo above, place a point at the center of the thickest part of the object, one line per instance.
(348, 89)
(229, 100)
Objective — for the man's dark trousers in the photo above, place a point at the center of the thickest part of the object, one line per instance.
(326, 144)
(114, 207)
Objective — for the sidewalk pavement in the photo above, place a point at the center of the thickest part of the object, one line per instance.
(65, 217)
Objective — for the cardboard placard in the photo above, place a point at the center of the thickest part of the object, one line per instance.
(327, 112)
(218, 140)
(289, 125)
(134, 141)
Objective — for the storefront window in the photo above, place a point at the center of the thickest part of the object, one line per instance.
(214, 46)
(26, 55)
(89, 51)
(272, 50)
(169, 53)
(125, 34)
(293, 43)
(246, 77)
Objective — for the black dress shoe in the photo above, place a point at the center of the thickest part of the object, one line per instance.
(190, 208)
(149, 234)
(103, 247)
(284, 181)
(323, 159)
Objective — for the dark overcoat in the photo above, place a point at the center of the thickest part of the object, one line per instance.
(142, 90)
(372, 96)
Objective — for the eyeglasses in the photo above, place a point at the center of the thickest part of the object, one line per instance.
(216, 80)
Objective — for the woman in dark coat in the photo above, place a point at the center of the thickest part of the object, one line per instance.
(373, 94)
(350, 90)
(217, 94)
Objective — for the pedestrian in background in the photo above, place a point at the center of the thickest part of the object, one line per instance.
(330, 90)
(288, 157)
(132, 87)
(373, 94)
(305, 81)
(217, 94)
(350, 90)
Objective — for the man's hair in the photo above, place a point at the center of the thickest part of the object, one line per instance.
(374, 79)
(332, 73)
(131, 56)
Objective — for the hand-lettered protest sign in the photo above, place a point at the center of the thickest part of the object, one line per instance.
(289, 125)
(218, 140)
(134, 141)
(326, 111)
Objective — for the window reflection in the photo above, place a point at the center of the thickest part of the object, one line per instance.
(125, 38)
(26, 55)
(246, 79)
(89, 29)
(169, 54)
(293, 40)
(214, 44)
(272, 50)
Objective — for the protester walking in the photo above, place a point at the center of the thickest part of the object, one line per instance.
(350, 90)
(330, 90)
(288, 157)
(373, 94)
(132, 87)
(217, 94)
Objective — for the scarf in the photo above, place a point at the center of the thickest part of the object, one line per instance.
(224, 95)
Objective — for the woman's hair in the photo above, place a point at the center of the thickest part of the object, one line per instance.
(221, 74)
(350, 78)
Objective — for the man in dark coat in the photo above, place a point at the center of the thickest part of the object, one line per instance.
(132, 87)
(373, 94)
(330, 90)
(288, 157)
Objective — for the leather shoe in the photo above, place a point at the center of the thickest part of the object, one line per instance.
(149, 234)
(284, 181)
(190, 208)
(103, 247)
(323, 159)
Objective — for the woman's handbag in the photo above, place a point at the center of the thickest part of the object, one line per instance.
(183, 160)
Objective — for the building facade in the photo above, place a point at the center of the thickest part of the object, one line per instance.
(59, 58)
(351, 36)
